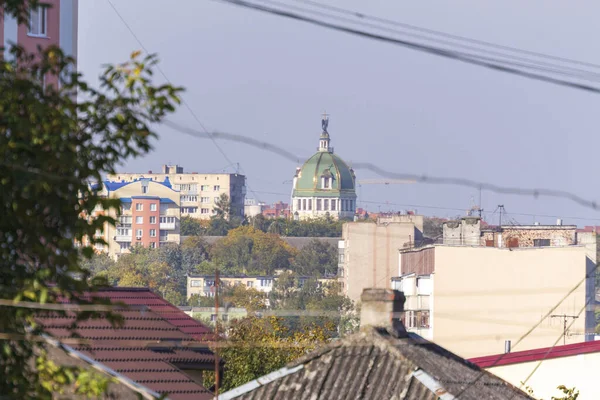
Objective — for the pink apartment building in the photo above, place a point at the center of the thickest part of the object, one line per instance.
(52, 25)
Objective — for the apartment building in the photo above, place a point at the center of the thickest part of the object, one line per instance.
(474, 299)
(198, 192)
(368, 251)
(204, 285)
(149, 215)
(55, 25)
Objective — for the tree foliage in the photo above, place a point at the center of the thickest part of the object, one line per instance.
(246, 250)
(54, 140)
(317, 258)
(257, 346)
(192, 227)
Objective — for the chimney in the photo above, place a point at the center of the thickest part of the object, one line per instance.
(383, 308)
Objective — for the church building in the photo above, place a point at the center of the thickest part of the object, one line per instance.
(325, 185)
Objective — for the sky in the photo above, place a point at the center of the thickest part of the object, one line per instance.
(271, 78)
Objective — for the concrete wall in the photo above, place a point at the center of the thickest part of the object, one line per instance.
(483, 296)
(371, 254)
(578, 371)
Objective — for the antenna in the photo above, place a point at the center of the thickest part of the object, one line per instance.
(500, 209)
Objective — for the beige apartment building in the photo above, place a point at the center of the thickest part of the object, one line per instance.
(204, 285)
(473, 299)
(149, 215)
(368, 251)
(198, 192)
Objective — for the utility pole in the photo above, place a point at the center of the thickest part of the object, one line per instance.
(217, 333)
(564, 317)
(480, 209)
(500, 208)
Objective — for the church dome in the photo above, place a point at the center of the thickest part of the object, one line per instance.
(324, 174)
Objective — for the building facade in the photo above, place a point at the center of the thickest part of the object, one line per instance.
(199, 193)
(324, 185)
(149, 215)
(55, 25)
(472, 299)
(368, 251)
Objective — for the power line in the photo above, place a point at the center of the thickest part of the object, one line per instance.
(474, 59)
(390, 174)
(168, 80)
(518, 60)
(544, 317)
(445, 34)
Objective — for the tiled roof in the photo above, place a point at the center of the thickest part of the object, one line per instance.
(537, 354)
(375, 365)
(155, 340)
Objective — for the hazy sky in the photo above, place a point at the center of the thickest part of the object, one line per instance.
(271, 78)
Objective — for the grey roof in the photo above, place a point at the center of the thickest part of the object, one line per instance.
(297, 242)
(373, 364)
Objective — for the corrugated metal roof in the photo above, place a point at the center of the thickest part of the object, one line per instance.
(375, 365)
(150, 318)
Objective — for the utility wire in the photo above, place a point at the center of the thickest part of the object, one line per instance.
(390, 174)
(473, 59)
(533, 64)
(433, 32)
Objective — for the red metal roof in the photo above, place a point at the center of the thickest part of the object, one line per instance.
(151, 320)
(537, 354)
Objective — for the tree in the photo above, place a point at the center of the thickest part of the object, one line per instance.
(98, 263)
(317, 258)
(246, 250)
(200, 301)
(194, 251)
(158, 269)
(222, 207)
(191, 227)
(54, 140)
(257, 346)
(244, 297)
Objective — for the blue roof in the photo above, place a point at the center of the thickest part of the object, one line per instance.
(111, 186)
(165, 200)
(125, 199)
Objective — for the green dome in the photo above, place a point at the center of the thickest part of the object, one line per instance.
(309, 180)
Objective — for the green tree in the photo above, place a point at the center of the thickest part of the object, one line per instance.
(54, 140)
(200, 301)
(250, 251)
(317, 258)
(194, 251)
(258, 346)
(222, 207)
(244, 297)
(191, 227)
(98, 263)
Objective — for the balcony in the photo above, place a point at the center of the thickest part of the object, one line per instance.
(167, 226)
(123, 238)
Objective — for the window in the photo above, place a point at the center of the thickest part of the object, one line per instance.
(144, 189)
(123, 232)
(225, 317)
(204, 188)
(167, 220)
(326, 204)
(309, 204)
(249, 283)
(152, 220)
(326, 183)
(99, 246)
(213, 317)
(341, 261)
(125, 207)
(153, 207)
(125, 245)
(304, 204)
(266, 282)
(204, 211)
(38, 21)
(217, 188)
(299, 206)
(541, 242)
(139, 220)
(138, 233)
(333, 204)
(189, 210)
(341, 272)
(318, 204)
(189, 198)
(152, 232)
(152, 245)
(125, 220)
(163, 235)
(196, 283)
(139, 207)
(205, 200)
